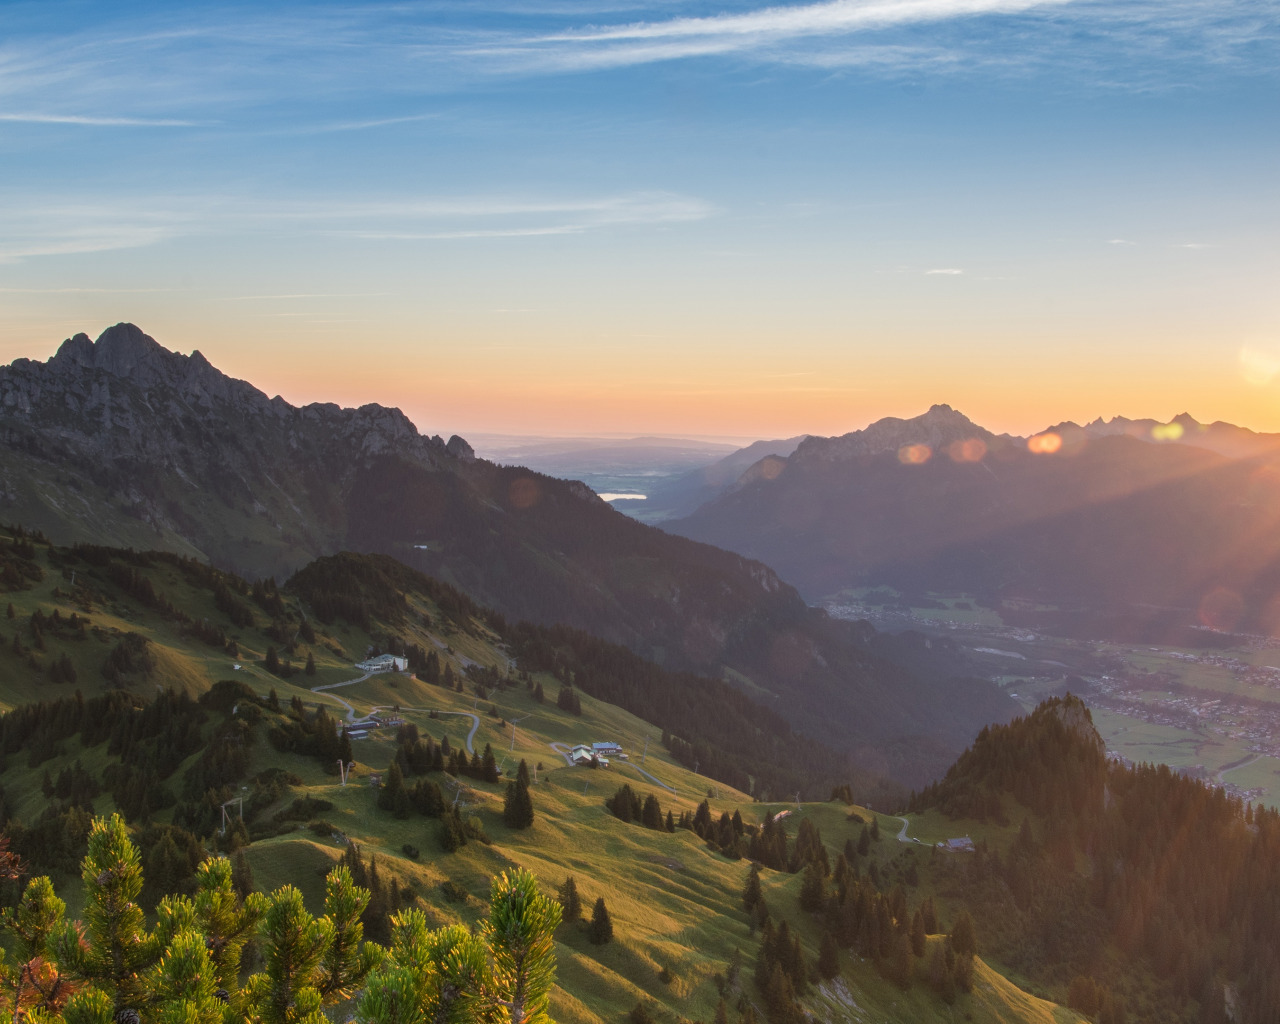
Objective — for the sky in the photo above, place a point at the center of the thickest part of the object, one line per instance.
(728, 219)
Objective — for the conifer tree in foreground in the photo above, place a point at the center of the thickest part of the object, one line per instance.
(186, 969)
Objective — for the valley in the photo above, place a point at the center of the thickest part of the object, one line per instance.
(1211, 711)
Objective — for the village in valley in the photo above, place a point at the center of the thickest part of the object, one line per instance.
(1211, 712)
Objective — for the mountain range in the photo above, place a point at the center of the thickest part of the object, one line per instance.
(123, 442)
(1128, 526)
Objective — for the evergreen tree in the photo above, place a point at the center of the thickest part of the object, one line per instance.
(752, 893)
(520, 933)
(517, 807)
(34, 923)
(311, 664)
(930, 914)
(601, 929)
(392, 796)
(963, 940)
(918, 940)
(241, 875)
(227, 918)
(828, 957)
(117, 949)
(570, 902)
(286, 990)
(347, 960)
(813, 890)
(488, 765)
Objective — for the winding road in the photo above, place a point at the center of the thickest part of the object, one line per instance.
(351, 711)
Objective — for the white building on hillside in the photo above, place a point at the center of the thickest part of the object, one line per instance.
(384, 663)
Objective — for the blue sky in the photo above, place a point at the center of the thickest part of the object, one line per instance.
(715, 218)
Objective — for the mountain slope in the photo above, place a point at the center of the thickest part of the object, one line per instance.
(121, 441)
(1108, 524)
(1109, 883)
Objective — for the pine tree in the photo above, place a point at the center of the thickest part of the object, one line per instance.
(271, 662)
(520, 933)
(347, 960)
(489, 765)
(393, 797)
(117, 949)
(601, 929)
(570, 902)
(828, 957)
(813, 891)
(517, 808)
(311, 664)
(286, 990)
(918, 940)
(963, 940)
(752, 893)
(183, 986)
(227, 918)
(34, 923)
(930, 914)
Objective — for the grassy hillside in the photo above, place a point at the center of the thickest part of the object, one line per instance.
(675, 902)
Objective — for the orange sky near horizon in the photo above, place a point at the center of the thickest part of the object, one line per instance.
(751, 389)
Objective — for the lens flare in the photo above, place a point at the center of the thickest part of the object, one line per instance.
(1045, 444)
(524, 492)
(771, 467)
(1259, 366)
(971, 450)
(914, 454)
(1167, 432)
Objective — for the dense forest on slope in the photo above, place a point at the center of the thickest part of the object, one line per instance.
(1132, 882)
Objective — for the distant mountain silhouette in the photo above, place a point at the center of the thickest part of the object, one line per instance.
(123, 442)
(1128, 527)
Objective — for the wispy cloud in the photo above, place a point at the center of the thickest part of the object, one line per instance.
(1120, 241)
(357, 126)
(759, 30)
(198, 65)
(99, 122)
(35, 228)
(945, 270)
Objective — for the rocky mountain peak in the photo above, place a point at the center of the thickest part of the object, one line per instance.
(459, 449)
(120, 350)
(937, 428)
